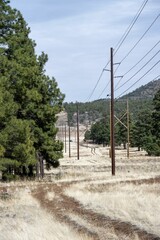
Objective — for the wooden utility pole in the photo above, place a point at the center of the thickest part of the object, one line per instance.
(112, 116)
(69, 133)
(128, 135)
(77, 132)
(62, 134)
(65, 145)
(110, 128)
(126, 125)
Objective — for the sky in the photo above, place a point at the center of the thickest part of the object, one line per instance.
(77, 37)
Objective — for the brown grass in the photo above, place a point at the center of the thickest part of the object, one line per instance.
(82, 200)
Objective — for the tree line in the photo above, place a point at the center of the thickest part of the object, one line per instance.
(144, 130)
(99, 108)
(29, 102)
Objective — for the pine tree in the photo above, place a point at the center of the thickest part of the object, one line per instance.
(99, 132)
(156, 117)
(31, 100)
(142, 129)
(153, 144)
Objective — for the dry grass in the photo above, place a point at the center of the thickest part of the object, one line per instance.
(104, 233)
(89, 181)
(139, 205)
(22, 218)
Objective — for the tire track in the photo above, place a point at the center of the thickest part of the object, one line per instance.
(62, 206)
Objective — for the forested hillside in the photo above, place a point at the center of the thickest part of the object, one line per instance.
(139, 99)
(145, 91)
(141, 131)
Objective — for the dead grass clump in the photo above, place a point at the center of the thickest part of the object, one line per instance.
(127, 202)
(21, 217)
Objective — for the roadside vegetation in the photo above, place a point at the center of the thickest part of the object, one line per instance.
(30, 101)
(144, 131)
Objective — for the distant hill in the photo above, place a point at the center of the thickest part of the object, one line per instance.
(139, 99)
(145, 91)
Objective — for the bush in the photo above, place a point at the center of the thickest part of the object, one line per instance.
(7, 177)
(152, 148)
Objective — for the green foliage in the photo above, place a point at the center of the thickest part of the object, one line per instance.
(153, 144)
(152, 147)
(139, 99)
(29, 99)
(156, 117)
(146, 91)
(16, 138)
(121, 131)
(146, 130)
(97, 109)
(87, 135)
(142, 129)
(99, 132)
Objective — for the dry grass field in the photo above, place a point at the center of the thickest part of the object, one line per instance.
(82, 200)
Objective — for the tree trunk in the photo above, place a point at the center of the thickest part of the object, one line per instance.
(40, 166)
(37, 169)
(30, 174)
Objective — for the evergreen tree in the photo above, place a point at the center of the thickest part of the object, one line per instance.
(142, 129)
(153, 144)
(121, 133)
(30, 100)
(156, 117)
(87, 135)
(123, 129)
(99, 132)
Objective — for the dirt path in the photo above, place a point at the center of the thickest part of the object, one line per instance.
(95, 226)
(94, 171)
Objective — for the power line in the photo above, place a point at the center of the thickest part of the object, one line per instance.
(139, 79)
(104, 90)
(126, 33)
(138, 40)
(118, 45)
(95, 86)
(138, 70)
(156, 78)
(137, 63)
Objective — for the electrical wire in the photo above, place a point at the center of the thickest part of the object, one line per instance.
(119, 44)
(156, 78)
(141, 37)
(137, 43)
(137, 63)
(139, 79)
(103, 90)
(126, 33)
(134, 46)
(95, 86)
(138, 71)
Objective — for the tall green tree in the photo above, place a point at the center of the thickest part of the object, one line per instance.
(156, 117)
(99, 132)
(121, 133)
(153, 144)
(142, 129)
(31, 100)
